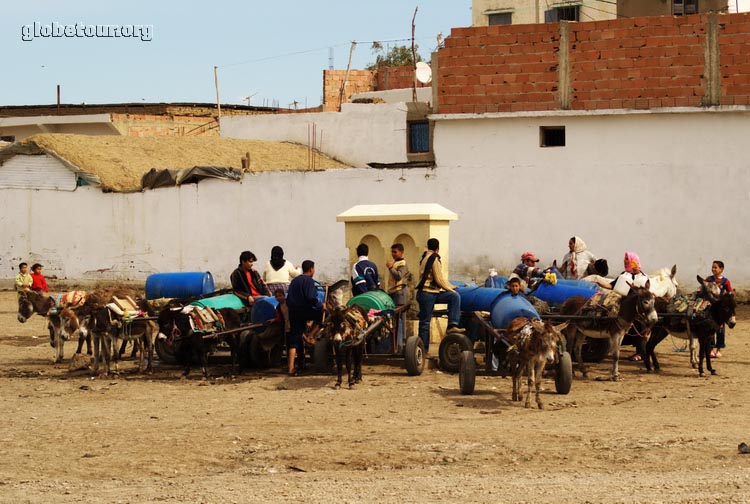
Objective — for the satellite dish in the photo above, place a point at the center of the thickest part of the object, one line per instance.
(424, 72)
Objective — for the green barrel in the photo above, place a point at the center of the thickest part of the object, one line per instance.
(373, 300)
(223, 301)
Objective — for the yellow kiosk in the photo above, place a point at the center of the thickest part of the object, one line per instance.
(411, 224)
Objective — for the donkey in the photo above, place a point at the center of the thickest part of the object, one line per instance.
(30, 302)
(345, 328)
(175, 325)
(533, 344)
(699, 326)
(663, 283)
(638, 305)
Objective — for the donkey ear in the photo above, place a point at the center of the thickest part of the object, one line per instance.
(700, 280)
(674, 271)
(561, 327)
(647, 286)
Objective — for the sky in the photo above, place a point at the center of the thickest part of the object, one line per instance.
(274, 51)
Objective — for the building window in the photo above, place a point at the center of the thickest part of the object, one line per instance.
(684, 7)
(569, 13)
(500, 18)
(552, 136)
(419, 136)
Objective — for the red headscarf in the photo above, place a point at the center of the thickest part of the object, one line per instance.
(632, 261)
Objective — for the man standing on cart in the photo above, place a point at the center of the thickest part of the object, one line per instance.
(434, 288)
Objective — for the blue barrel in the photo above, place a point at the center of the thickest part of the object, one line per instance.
(559, 293)
(373, 300)
(463, 283)
(223, 301)
(507, 307)
(478, 298)
(577, 283)
(264, 309)
(179, 285)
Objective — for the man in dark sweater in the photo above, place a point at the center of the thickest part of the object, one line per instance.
(246, 281)
(304, 305)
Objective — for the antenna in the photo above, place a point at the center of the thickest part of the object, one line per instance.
(424, 72)
(330, 58)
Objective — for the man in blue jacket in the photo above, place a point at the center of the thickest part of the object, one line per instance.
(364, 272)
(304, 305)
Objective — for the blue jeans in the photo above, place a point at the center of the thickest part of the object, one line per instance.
(427, 302)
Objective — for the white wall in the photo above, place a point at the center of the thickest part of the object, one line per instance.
(349, 135)
(671, 187)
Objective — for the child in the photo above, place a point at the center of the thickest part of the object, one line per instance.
(717, 268)
(39, 283)
(400, 276)
(23, 278)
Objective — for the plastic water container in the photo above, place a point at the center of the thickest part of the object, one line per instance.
(496, 282)
(557, 294)
(373, 300)
(478, 298)
(507, 307)
(179, 284)
(264, 309)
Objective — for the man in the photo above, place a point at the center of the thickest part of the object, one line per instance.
(400, 276)
(304, 305)
(432, 289)
(527, 270)
(246, 282)
(364, 272)
(23, 278)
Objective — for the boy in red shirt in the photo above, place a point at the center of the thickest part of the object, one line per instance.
(38, 282)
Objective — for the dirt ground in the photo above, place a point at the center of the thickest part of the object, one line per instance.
(265, 437)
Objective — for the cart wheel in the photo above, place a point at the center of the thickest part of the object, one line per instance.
(245, 358)
(320, 356)
(564, 375)
(414, 355)
(467, 372)
(167, 351)
(449, 353)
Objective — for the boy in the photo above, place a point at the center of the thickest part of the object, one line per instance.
(23, 278)
(717, 276)
(39, 283)
(364, 272)
(400, 276)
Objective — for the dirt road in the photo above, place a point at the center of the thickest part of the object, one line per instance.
(264, 437)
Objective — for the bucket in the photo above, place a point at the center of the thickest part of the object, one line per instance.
(507, 307)
(373, 300)
(223, 301)
(264, 309)
(179, 284)
(478, 298)
(559, 293)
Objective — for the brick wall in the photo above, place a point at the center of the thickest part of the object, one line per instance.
(358, 81)
(643, 62)
(400, 77)
(145, 125)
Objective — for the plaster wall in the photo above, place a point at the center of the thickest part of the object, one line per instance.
(359, 134)
(624, 181)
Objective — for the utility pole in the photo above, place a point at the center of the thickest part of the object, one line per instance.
(218, 101)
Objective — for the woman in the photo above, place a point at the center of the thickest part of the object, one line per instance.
(632, 276)
(279, 272)
(577, 260)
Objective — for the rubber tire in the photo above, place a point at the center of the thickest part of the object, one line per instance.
(320, 355)
(167, 352)
(467, 372)
(414, 356)
(451, 348)
(564, 374)
(595, 349)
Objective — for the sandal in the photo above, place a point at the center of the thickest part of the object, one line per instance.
(713, 354)
(635, 358)
(717, 354)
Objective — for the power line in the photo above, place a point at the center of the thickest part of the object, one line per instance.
(607, 12)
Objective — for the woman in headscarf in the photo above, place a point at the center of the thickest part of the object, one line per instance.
(577, 260)
(279, 272)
